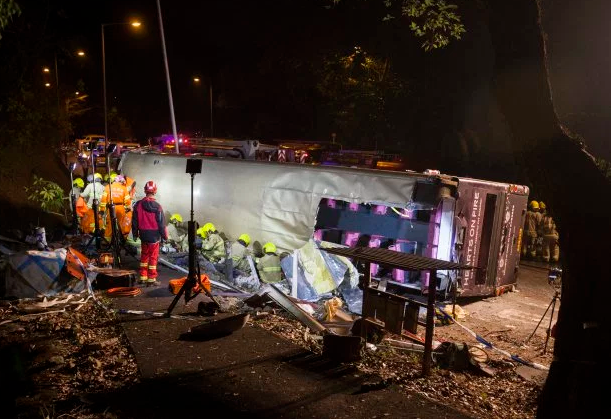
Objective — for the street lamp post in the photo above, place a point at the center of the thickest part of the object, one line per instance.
(197, 80)
(135, 24)
(167, 75)
(108, 149)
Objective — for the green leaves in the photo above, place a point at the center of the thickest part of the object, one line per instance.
(49, 195)
(434, 20)
(8, 9)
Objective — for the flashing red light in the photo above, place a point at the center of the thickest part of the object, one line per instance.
(305, 154)
(172, 142)
(186, 141)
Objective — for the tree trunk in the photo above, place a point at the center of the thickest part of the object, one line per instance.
(578, 196)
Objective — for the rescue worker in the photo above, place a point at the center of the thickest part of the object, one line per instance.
(178, 233)
(239, 253)
(549, 236)
(148, 225)
(77, 187)
(531, 224)
(269, 265)
(213, 245)
(539, 246)
(122, 203)
(130, 184)
(93, 194)
(75, 194)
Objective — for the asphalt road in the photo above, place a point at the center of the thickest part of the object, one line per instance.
(250, 373)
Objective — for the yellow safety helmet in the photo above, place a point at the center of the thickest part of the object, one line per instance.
(97, 176)
(201, 233)
(176, 217)
(245, 238)
(269, 247)
(78, 182)
(534, 205)
(542, 205)
(208, 227)
(112, 176)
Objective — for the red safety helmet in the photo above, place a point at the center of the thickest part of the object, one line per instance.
(150, 187)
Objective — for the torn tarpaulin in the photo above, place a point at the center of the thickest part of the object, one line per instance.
(35, 273)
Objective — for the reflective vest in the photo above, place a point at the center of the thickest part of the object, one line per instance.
(120, 196)
(238, 255)
(213, 247)
(269, 268)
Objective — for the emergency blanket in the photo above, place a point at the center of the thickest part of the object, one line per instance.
(35, 273)
(318, 272)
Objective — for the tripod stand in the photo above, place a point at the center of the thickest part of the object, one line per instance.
(117, 241)
(551, 305)
(193, 278)
(73, 198)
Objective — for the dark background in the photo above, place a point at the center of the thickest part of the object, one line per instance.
(259, 56)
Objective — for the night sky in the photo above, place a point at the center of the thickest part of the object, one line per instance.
(235, 44)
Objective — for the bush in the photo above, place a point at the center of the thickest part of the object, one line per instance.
(49, 195)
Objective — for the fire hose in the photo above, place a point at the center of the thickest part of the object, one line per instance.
(123, 292)
(489, 345)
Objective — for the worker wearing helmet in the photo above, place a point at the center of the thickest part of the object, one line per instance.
(178, 233)
(269, 265)
(239, 253)
(148, 225)
(213, 245)
(548, 236)
(77, 187)
(75, 194)
(93, 195)
(117, 194)
(539, 245)
(531, 225)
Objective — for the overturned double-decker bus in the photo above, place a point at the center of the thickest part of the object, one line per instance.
(471, 221)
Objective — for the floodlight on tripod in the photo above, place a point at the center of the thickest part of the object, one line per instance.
(73, 198)
(194, 166)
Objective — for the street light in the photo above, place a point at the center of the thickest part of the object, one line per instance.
(135, 24)
(167, 77)
(197, 80)
(46, 70)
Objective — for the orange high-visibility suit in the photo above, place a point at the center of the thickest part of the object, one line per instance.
(122, 201)
(130, 184)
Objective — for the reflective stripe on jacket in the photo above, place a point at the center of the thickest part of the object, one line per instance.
(213, 247)
(269, 268)
(148, 221)
(238, 255)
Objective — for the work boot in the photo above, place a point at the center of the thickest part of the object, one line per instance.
(152, 282)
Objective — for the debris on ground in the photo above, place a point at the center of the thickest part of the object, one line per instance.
(66, 346)
(506, 395)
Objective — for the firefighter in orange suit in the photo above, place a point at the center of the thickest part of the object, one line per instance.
(117, 192)
(130, 184)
